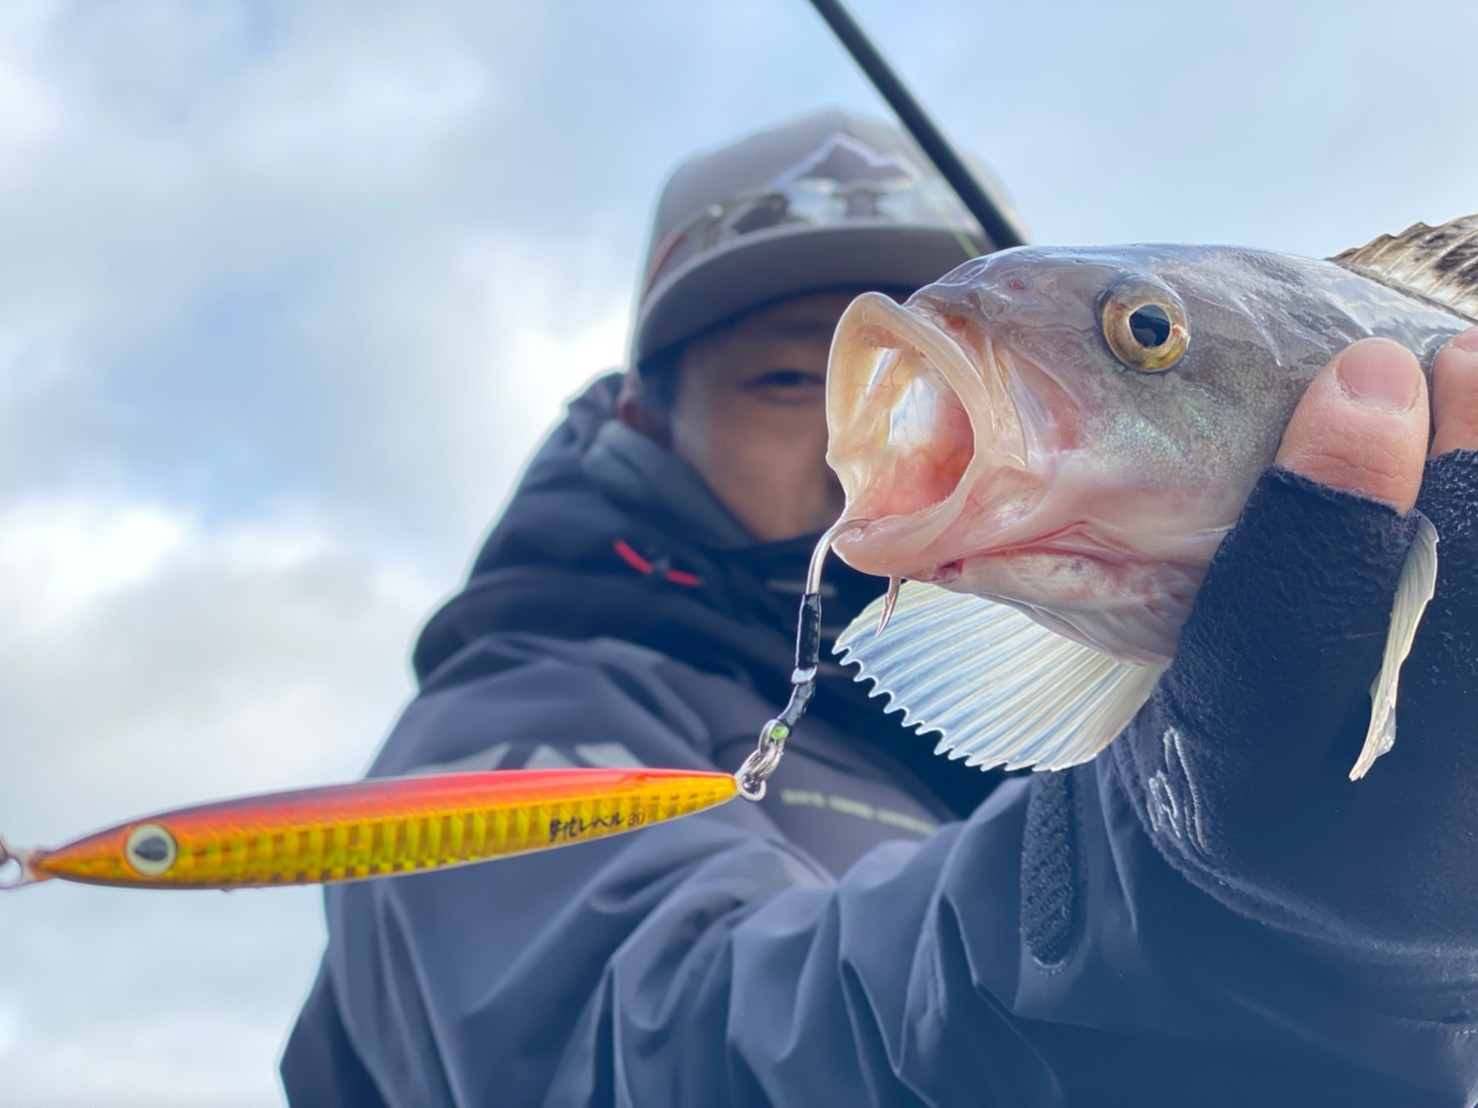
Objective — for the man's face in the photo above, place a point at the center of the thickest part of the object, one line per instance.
(750, 416)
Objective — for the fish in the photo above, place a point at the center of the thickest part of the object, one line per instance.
(1047, 445)
(366, 829)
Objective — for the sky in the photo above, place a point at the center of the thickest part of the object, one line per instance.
(289, 291)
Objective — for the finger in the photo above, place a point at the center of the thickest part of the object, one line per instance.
(1455, 395)
(1362, 425)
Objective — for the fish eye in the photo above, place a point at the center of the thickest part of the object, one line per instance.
(150, 849)
(1144, 323)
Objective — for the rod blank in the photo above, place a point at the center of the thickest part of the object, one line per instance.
(1002, 230)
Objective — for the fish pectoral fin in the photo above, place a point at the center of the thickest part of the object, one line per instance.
(1413, 592)
(1000, 688)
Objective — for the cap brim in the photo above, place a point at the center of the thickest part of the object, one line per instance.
(793, 262)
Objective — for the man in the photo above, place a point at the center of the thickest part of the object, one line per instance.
(1217, 919)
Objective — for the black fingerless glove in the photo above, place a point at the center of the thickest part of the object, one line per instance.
(1238, 767)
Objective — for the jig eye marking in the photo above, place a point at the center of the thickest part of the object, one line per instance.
(150, 849)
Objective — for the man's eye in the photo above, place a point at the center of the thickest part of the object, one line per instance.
(788, 379)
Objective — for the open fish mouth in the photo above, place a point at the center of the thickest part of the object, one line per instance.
(918, 423)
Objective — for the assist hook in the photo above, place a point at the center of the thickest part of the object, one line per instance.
(762, 762)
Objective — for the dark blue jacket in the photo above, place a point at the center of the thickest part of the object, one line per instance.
(886, 927)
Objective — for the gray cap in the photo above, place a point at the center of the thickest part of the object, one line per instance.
(829, 200)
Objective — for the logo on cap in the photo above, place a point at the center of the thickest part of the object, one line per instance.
(842, 180)
(853, 172)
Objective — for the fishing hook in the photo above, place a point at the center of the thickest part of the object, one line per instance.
(763, 760)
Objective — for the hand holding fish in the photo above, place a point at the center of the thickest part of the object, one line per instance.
(1266, 699)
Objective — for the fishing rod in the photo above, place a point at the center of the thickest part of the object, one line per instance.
(999, 225)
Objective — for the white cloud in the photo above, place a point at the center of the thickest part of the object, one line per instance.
(10, 1025)
(32, 117)
(152, 999)
(357, 119)
(58, 558)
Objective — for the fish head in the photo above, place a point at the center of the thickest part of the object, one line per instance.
(1070, 431)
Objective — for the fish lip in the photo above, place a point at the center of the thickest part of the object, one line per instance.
(871, 329)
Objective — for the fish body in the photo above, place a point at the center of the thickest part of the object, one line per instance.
(374, 828)
(1070, 433)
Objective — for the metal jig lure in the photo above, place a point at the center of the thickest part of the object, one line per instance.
(370, 828)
